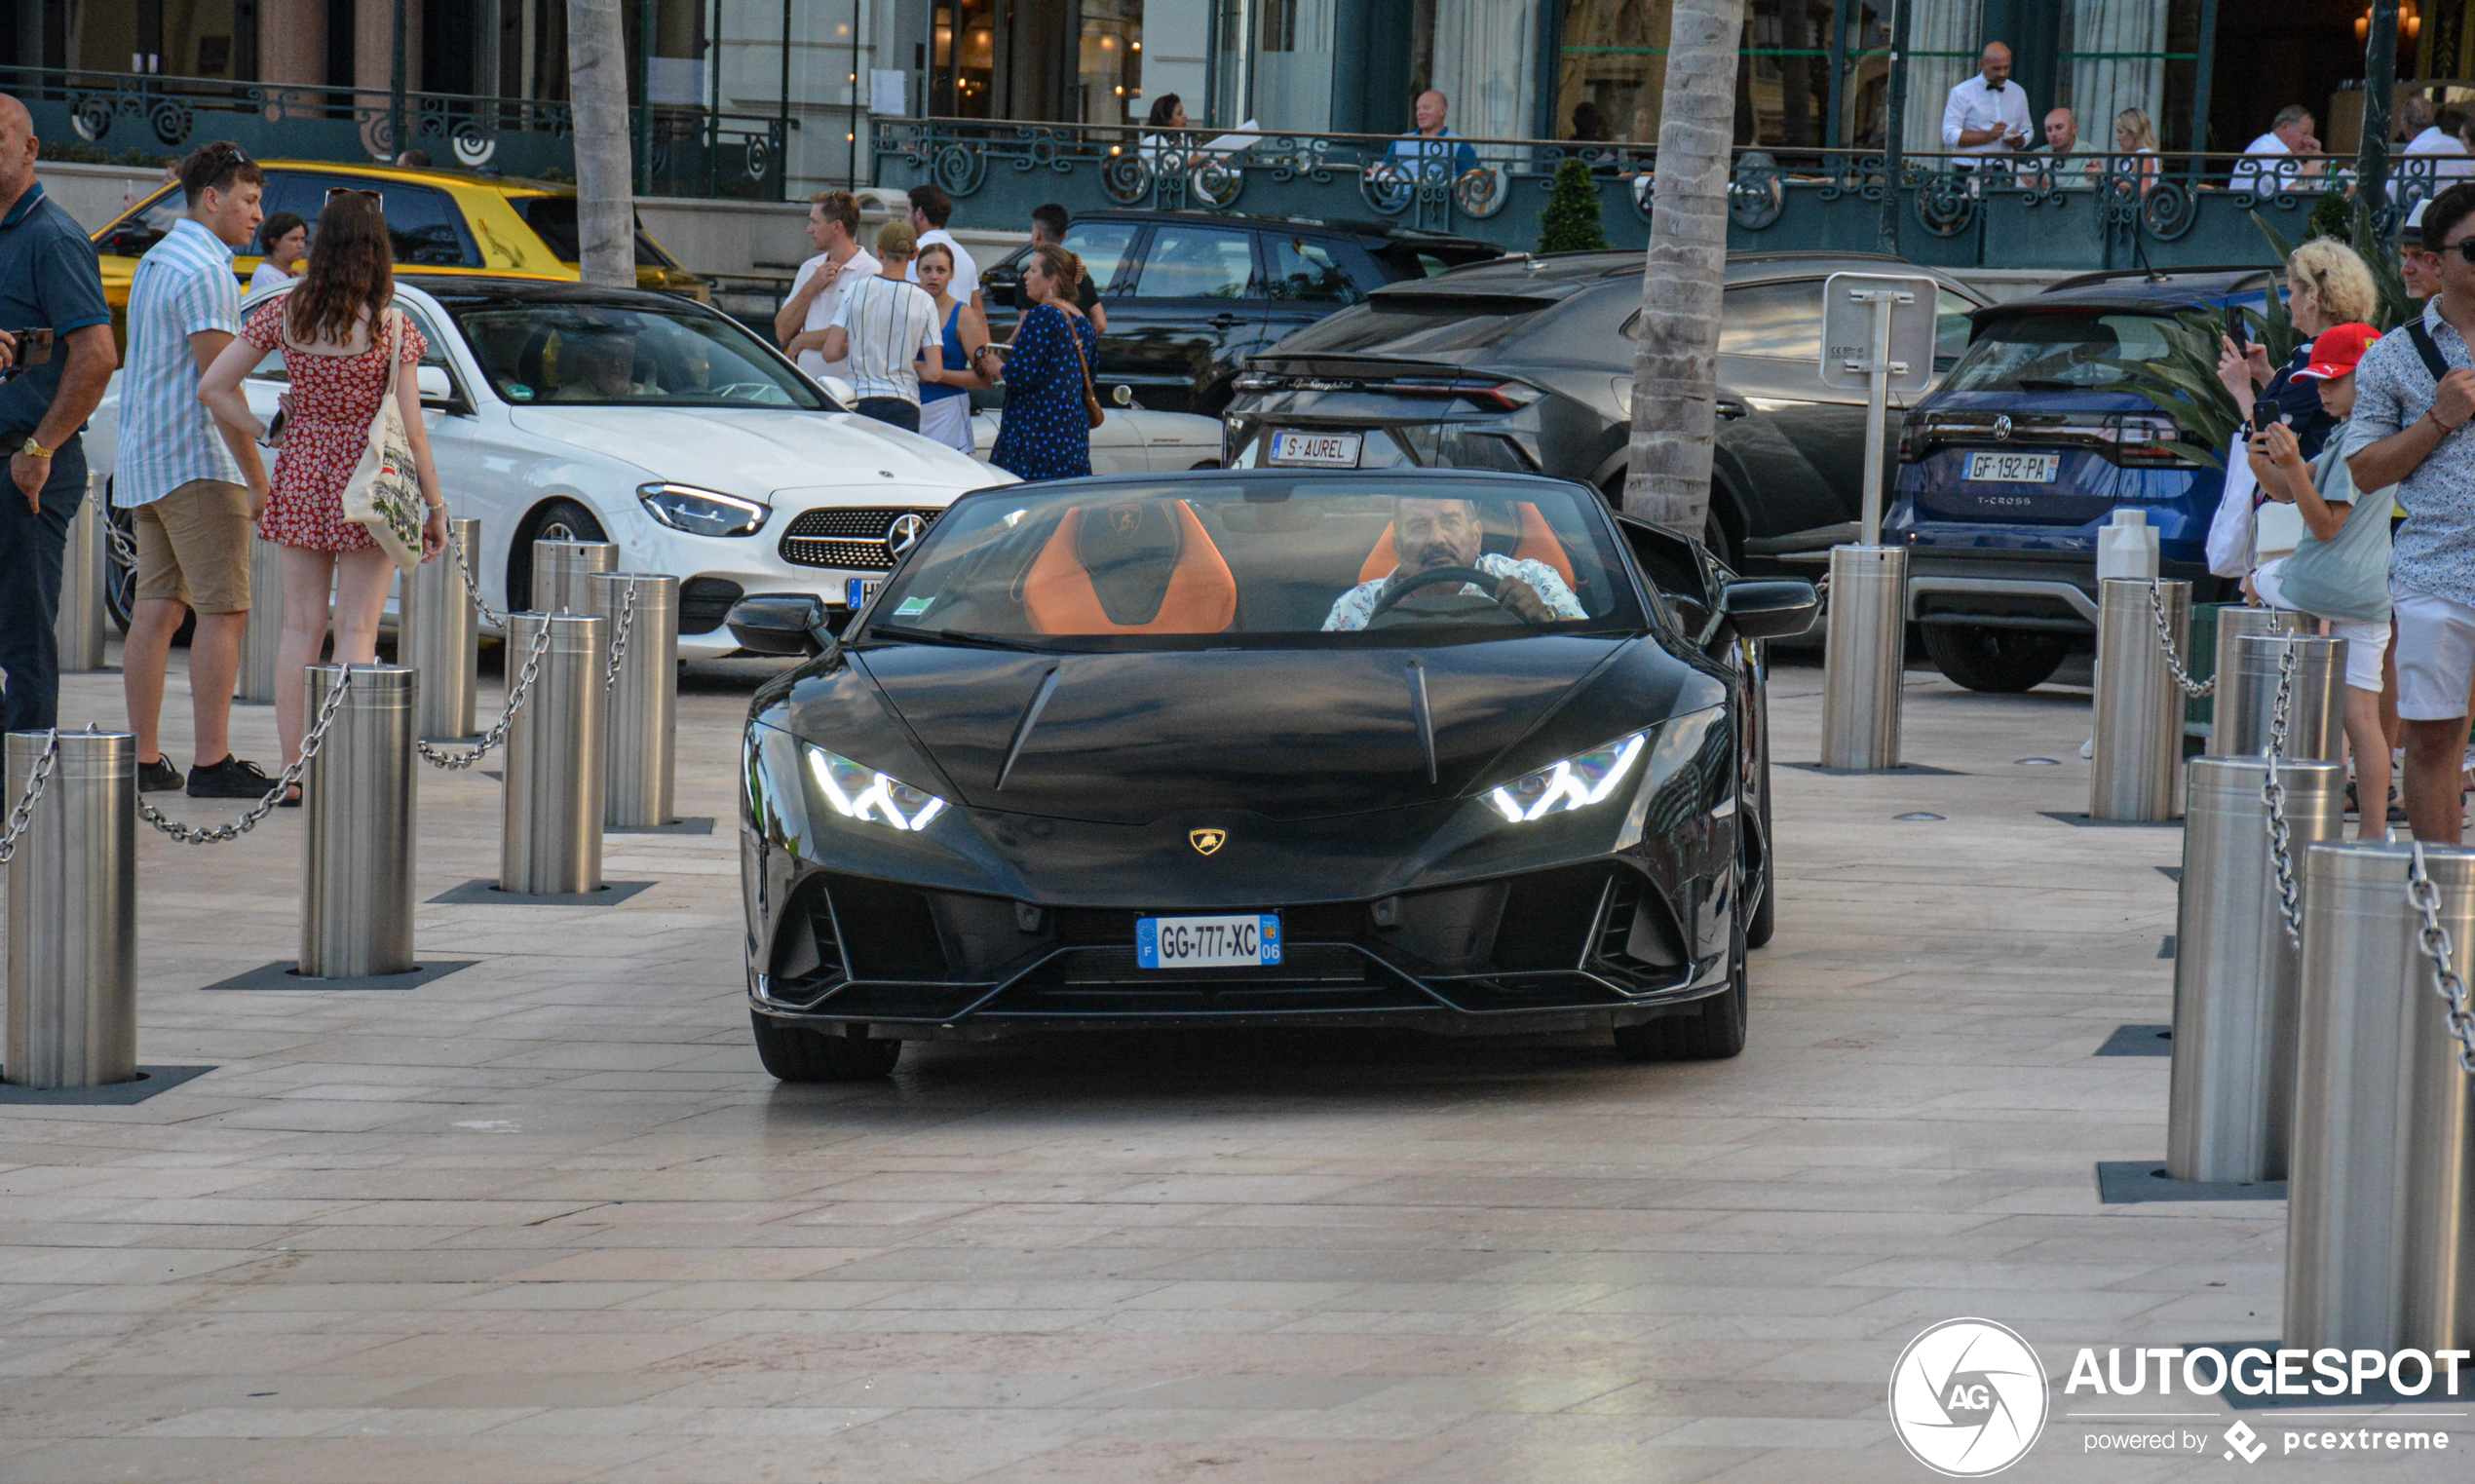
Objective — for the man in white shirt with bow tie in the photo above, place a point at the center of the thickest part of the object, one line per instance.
(1987, 114)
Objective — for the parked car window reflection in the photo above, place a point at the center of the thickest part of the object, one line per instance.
(613, 355)
(2058, 352)
(1303, 271)
(1102, 246)
(1197, 263)
(1952, 328)
(1780, 320)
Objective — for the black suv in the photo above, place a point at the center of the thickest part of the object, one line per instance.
(1192, 294)
(1527, 366)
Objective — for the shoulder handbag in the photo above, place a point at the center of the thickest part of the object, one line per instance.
(1091, 394)
(384, 494)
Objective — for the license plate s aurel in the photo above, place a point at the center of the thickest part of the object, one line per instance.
(2014, 467)
(1316, 450)
(1250, 939)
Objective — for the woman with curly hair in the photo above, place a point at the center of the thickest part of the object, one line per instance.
(333, 329)
(2326, 285)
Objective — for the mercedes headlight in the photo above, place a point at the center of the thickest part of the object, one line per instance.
(859, 792)
(702, 511)
(1577, 782)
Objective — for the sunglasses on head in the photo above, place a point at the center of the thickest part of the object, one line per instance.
(334, 191)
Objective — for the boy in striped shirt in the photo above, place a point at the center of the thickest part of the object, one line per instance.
(883, 325)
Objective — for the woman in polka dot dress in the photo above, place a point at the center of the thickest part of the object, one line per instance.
(1046, 430)
(332, 330)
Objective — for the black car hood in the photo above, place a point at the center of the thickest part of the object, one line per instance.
(1283, 734)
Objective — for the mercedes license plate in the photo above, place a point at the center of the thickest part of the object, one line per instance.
(1251, 939)
(856, 591)
(1316, 450)
(2014, 467)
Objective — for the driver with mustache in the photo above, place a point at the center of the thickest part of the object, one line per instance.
(1429, 534)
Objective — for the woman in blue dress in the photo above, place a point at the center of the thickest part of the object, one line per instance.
(1047, 433)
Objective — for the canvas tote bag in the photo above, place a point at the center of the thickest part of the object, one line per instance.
(384, 495)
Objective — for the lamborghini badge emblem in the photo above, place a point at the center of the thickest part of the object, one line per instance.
(1206, 841)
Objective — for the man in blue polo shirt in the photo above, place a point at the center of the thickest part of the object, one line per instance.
(47, 280)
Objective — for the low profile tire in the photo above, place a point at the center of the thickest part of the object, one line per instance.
(794, 1053)
(559, 520)
(2005, 660)
(1712, 1031)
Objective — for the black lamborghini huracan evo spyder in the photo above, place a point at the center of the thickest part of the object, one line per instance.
(1459, 751)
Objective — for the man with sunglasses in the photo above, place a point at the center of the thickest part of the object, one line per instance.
(192, 487)
(2414, 394)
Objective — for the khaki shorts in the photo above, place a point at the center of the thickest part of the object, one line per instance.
(193, 547)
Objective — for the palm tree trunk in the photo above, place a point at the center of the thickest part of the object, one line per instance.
(1675, 362)
(597, 99)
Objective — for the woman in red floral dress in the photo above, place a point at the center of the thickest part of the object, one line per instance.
(332, 330)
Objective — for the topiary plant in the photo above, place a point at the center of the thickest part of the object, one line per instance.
(1571, 221)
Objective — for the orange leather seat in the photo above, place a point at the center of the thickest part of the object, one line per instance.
(1535, 542)
(1200, 594)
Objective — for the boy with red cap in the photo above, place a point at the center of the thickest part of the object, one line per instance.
(2340, 571)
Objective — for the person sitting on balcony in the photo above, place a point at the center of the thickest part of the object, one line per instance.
(2136, 141)
(1430, 154)
(1985, 114)
(2065, 166)
(2427, 135)
(1164, 147)
(2289, 152)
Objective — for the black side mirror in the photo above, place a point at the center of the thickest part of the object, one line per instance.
(1771, 607)
(780, 624)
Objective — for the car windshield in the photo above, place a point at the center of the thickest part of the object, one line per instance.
(603, 354)
(1221, 561)
(2059, 352)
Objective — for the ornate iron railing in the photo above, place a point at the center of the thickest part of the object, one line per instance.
(2035, 210)
(111, 117)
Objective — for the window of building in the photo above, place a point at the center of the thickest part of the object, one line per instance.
(1612, 71)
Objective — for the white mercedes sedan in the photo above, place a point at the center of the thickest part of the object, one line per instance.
(559, 411)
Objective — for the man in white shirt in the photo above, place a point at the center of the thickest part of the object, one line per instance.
(2289, 152)
(931, 210)
(1987, 114)
(816, 294)
(2425, 136)
(883, 325)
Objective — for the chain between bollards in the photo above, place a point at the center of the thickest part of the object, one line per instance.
(466, 757)
(472, 588)
(618, 639)
(2434, 941)
(2274, 794)
(24, 809)
(2165, 643)
(190, 834)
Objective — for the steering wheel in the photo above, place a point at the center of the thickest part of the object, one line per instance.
(1408, 582)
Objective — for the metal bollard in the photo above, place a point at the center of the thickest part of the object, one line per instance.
(2236, 623)
(560, 569)
(358, 842)
(441, 638)
(2379, 1247)
(77, 630)
(2235, 972)
(1865, 646)
(264, 635)
(2316, 713)
(550, 836)
(2138, 775)
(644, 698)
(72, 1012)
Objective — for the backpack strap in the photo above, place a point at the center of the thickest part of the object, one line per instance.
(2433, 361)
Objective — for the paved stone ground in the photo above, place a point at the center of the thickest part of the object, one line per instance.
(546, 1219)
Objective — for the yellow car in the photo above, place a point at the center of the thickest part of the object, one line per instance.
(443, 222)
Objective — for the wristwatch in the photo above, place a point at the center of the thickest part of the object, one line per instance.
(34, 450)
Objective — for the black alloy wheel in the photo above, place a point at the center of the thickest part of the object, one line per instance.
(1999, 660)
(559, 520)
(794, 1053)
(1712, 1030)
